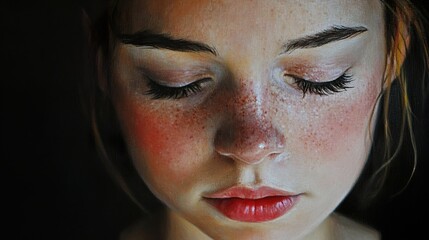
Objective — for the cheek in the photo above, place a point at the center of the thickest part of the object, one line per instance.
(165, 146)
(343, 125)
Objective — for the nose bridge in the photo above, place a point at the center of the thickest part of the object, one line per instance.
(249, 134)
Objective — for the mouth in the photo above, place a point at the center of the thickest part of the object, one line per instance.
(252, 205)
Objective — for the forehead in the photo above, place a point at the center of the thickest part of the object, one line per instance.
(292, 17)
(239, 28)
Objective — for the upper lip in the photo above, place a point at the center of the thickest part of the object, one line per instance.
(249, 193)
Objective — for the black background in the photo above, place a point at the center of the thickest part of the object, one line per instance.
(53, 185)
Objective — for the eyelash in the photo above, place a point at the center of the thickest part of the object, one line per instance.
(324, 88)
(158, 91)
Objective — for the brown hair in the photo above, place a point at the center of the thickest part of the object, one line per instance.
(403, 97)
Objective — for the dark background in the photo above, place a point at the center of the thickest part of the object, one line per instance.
(53, 184)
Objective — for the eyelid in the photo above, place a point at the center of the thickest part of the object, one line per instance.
(176, 68)
(317, 80)
(158, 91)
(313, 67)
(196, 80)
(175, 79)
(317, 74)
(324, 88)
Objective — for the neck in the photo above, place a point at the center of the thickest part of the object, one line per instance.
(323, 231)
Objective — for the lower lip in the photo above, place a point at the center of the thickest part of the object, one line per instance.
(254, 210)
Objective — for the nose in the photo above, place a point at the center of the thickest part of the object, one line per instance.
(248, 134)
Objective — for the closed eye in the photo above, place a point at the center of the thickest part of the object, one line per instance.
(158, 91)
(323, 88)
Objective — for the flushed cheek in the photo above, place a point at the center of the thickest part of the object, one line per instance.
(165, 146)
(341, 126)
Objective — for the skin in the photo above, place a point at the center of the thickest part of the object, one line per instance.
(250, 125)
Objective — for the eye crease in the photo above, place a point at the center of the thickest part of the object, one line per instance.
(158, 91)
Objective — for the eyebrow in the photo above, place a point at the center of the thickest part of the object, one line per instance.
(333, 34)
(164, 41)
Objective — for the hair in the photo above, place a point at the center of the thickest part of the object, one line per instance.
(401, 101)
(403, 97)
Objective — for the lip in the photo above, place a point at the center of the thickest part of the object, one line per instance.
(252, 205)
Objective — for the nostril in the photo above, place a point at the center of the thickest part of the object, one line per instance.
(253, 156)
(249, 142)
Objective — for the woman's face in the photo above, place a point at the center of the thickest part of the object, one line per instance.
(249, 118)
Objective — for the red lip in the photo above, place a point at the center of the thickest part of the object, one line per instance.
(252, 205)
